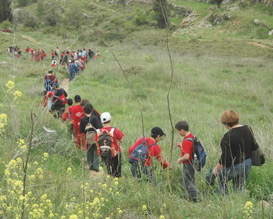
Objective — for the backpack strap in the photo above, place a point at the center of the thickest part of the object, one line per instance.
(112, 131)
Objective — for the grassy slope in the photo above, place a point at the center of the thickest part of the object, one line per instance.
(214, 69)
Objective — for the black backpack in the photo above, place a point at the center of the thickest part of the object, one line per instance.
(105, 143)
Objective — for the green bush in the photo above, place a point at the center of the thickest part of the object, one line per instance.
(5, 24)
(260, 183)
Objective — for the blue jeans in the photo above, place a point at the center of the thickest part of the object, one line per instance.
(238, 174)
(72, 75)
(137, 170)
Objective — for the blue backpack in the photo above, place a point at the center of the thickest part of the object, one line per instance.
(48, 84)
(199, 154)
(139, 154)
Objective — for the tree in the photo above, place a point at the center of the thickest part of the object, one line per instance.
(22, 3)
(161, 10)
(219, 2)
(5, 11)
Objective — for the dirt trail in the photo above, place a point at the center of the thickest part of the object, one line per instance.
(65, 85)
(33, 40)
(260, 45)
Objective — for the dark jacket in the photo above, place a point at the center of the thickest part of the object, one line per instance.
(93, 120)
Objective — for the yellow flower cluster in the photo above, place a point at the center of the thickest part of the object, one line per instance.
(45, 156)
(42, 210)
(3, 121)
(248, 210)
(21, 144)
(10, 85)
(17, 94)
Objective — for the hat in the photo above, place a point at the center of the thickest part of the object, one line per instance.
(157, 131)
(77, 98)
(105, 117)
(210, 178)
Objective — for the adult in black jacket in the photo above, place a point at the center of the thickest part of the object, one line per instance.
(92, 154)
(236, 146)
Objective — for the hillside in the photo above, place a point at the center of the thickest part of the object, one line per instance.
(221, 59)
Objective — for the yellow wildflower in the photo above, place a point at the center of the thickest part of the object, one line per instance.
(73, 216)
(68, 170)
(17, 94)
(3, 120)
(162, 217)
(144, 208)
(10, 85)
(116, 183)
(45, 155)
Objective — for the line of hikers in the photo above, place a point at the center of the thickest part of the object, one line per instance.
(94, 134)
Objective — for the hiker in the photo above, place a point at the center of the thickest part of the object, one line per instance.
(52, 55)
(95, 112)
(108, 141)
(48, 95)
(77, 113)
(59, 101)
(192, 192)
(236, 146)
(72, 70)
(88, 125)
(154, 150)
(67, 113)
(54, 63)
(50, 79)
(57, 52)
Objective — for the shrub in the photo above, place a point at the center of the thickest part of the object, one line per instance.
(5, 24)
(260, 182)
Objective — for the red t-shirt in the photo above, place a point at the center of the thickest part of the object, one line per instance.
(154, 151)
(52, 53)
(66, 113)
(51, 77)
(118, 135)
(77, 113)
(27, 50)
(187, 148)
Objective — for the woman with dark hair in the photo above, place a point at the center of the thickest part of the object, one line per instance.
(236, 146)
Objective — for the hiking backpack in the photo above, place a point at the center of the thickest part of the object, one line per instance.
(139, 154)
(90, 133)
(105, 143)
(199, 154)
(48, 84)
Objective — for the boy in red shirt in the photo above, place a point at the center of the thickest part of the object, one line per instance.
(192, 193)
(153, 151)
(77, 113)
(113, 164)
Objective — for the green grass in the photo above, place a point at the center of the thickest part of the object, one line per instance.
(214, 69)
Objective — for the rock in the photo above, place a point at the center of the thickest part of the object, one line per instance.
(257, 22)
(270, 32)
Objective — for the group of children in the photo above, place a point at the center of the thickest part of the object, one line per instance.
(94, 134)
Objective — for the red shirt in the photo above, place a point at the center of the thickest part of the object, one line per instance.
(66, 113)
(118, 135)
(154, 151)
(52, 53)
(77, 113)
(27, 50)
(51, 77)
(187, 148)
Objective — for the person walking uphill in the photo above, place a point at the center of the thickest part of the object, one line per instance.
(108, 141)
(77, 113)
(88, 125)
(153, 151)
(237, 146)
(192, 193)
